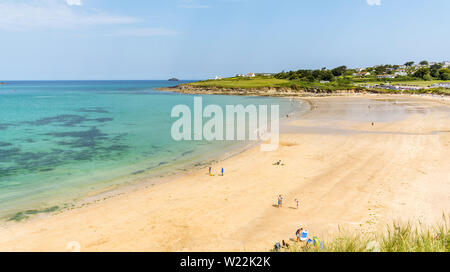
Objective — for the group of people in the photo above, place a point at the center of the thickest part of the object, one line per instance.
(283, 245)
(279, 163)
(280, 202)
(302, 237)
(211, 173)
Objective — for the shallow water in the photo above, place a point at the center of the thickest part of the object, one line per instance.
(60, 141)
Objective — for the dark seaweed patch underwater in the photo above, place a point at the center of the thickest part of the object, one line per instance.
(59, 141)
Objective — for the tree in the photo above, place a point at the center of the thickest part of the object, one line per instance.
(444, 74)
(339, 71)
(428, 77)
(327, 75)
(309, 78)
(316, 74)
(350, 72)
(436, 66)
(424, 62)
(380, 70)
(421, 73)
(434, 69)
(409, 63)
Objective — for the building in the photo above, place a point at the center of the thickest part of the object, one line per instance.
(218, 77)
(400, 73)
(418, 66)
(446, 64)
(361, 74)
(397, 87)
(246, 75)
(264, 74)
(385, 76)
(445, 85)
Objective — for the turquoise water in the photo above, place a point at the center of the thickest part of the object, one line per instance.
(60, 141)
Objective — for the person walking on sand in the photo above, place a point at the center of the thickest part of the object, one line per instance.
(222, 172)
(298, 203)
(210, 169)
(280, 201)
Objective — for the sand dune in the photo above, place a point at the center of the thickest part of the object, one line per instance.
(344, 171)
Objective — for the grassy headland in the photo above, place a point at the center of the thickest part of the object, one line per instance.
(420, 79)
(248, 85)
(243, 83)
(270, 82)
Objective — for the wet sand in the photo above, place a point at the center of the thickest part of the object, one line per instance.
(345, 171)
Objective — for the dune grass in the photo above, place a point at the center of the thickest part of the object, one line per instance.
(397, 238)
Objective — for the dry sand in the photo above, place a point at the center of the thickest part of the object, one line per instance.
(344, 171)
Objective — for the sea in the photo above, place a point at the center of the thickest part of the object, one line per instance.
(64, 141)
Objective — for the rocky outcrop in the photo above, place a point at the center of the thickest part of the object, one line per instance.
(265, 91)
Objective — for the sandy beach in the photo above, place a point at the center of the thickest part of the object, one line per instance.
(345, 172)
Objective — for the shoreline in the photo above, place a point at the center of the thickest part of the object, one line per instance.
(134, 182)
(291, 93)
(192, 204)
(129, 184)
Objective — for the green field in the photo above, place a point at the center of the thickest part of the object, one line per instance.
(243, 83)
(269, 82)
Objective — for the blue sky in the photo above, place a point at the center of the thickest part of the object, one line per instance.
(196, 39)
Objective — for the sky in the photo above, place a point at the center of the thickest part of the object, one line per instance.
(199, 39)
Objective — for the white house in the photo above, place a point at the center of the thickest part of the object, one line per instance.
(361, 74)
(401, 73)
(446, 64)
(445, 85)
(246, 75)
(218, 77)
